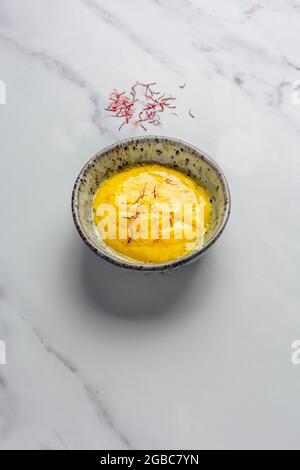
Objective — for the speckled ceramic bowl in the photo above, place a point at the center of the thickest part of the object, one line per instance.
(149, 149)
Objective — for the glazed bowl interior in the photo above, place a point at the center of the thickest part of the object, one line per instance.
(152, 149)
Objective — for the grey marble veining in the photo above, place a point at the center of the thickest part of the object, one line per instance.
(99, 358)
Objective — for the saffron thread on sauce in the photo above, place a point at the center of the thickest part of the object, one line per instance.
(169, 181)
(132, 219)
(172, 219)
(155, 192)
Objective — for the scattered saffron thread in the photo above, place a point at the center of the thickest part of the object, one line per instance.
(143, 106)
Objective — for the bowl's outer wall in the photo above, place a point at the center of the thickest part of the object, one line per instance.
(165, 151)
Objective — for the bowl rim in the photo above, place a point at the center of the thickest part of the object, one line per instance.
(151, 267)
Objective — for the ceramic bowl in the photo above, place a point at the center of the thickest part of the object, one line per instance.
(139, 150)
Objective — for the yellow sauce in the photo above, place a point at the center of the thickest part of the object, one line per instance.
(139, 213)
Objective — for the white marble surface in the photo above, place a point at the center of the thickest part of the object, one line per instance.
(210, 365)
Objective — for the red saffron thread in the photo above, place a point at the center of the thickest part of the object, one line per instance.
(148, 107)
(132, 219)
(141, 196)
(155, 192)
(168, 181)
(172, 219)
